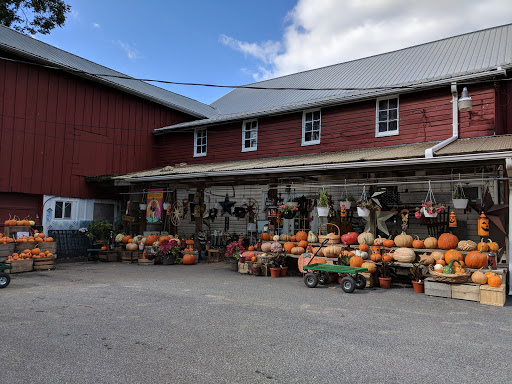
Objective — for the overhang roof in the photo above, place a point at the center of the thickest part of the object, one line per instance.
(481, 148)
(37, 51)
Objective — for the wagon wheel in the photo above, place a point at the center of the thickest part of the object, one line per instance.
(252, 207)
(177, 213)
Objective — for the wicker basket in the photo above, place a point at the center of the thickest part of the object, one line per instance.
(449, 277)
(336, 239)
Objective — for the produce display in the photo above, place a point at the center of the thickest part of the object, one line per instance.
(34, 253)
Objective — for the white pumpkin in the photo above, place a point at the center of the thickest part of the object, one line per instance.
(131, 247)
(276, 238)
(438, 268)
(362, 254)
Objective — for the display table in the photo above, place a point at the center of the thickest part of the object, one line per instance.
(215, 255)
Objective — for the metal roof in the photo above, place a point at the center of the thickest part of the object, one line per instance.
(472, 55)
(36, 50)
(356, 157)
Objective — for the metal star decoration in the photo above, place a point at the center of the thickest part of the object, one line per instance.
(382, 216)
(227, 206)
(494, 212)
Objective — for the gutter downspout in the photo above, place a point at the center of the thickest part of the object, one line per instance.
(429, 152)
(508, 166)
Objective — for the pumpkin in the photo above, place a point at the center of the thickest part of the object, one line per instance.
(312, 238)
(366, 238)
(132, 247)
(285, 237)
(104, 248)
(371, 267)
(442, 262)
(301, 235)
(288, 246)
(318, 260)
(254, 259)
(250, 248)
(265, 247)
(189, 259)
(482, 246)
(294, 238)
(493, 246)
(494, 281)
(452, 254)
(466, 245)
(437, 255)
(430, 243)
(276, 247)
(388, 243)
(417, 243)
(356, 261)
(375, 257)
(475, 259)
(447, 241)
(126, 239)
(150, 239)
(364, 247)
(162, 238)
(362, 254)
(438, 268)
(26, 223)
(387, 257)
(379, 241)
(350, 238)
(275, 237)
(479, 277)
(49, 239)
(332, 251)
(298, 251)
(265, 236)
(317, 251)
(303, 244)
(403, 240)
(248, 254)
(404, 255)
(428, 259)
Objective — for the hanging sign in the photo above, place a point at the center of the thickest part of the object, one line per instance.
(154, 211)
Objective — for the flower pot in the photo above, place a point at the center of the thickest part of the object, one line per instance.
(418, 286)
(385, 282)
(283, 271)
(275, 272)
(168, 259)
(323, 211)
(241, 259)
(347, 204)
(460, 203)
(363, 212)
(427, 214)
(143, 207)
(289, 215)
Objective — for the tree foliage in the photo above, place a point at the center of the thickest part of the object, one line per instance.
(33, 16)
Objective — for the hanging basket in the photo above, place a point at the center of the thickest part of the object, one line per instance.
(363, 212)
(288, 215)
(460, 203)
(143, 207)
(333, 237)
(347, 204)
(323, 211)
(431, 215)
(293, 203)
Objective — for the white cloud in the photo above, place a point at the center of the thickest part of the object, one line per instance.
(96, 25)
(130, 50)
(74, 13)
(325, 32)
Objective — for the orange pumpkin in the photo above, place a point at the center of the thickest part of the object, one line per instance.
(356, 261)
(494, 281)
(35, 251)
(294, 238)
(388, 243)
(476, 260)
(303, 243)
(254, 259)
(250, 248)
(104, 248)
(150, 240)
(265, 236)
(447, 241)
(162, 238)
(364, 247)
(452, 254)
(441, 261)
(319, 260)
(49, 239)
(301, 235)
(386, 257)
(418, 244)
(288, 247)
(189, 259)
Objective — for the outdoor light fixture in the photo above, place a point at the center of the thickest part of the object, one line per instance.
(465, 101)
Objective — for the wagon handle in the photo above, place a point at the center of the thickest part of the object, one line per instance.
(318, 250)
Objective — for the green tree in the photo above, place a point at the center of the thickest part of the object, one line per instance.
(33, 16)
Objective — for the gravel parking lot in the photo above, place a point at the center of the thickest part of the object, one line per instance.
(115, 323)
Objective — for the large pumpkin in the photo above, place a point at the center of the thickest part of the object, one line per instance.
(404, 255)
(331, 251)
(479, 277)
(265, 236)
(494, 281)
(303, 244)
(189, 259)
(403, 240)
(349, 238)
(476, 260)
(371, 267)
(288, 247)
(265, 247)
(452, 254)
(248, 254)
(430, 243)
(131, 247)
(447, 241)
(298, 250)
(150, 239)
(356, 261)
(301, 235)
(366, 238)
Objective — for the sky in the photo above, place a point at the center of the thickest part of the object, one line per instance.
(231, 42)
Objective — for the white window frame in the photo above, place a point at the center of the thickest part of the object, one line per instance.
(196, 133)
(311, 142)
(64, 202)
(245, 130)
(377, 121)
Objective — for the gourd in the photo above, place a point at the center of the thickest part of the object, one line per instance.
(364, 247)
(189, 259)
(417, 243)
(276, 247)
(428, 259)
(479, 277)
(285, 237)
(475, 259)
(312, 238)
(301, 235)
(447, 241)
(332, 251)
(494, 281)
(288, 247)
(370, 266)
(452, 254)
(356, 261)
(379, 241)
(131, 247)
(430, 243)
(119, 237)
(298, 250)
(493, 246)
(265, 247)
(349, 238)
(362, 254)
(276, 238)
(151, 239)
(366, 238)
(404, 255)
(449, 268)
(467, 245)
(482, 246)
(438, 268)
(303, 243)
(437, 255)
(403, 240)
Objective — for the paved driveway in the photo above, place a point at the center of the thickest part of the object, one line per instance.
(117, 323)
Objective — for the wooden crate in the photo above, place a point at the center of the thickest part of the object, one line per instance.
(19, 247)
(265, 269)
(493, 296)
(50, 246)
(107, 256)
(371, 279)
(146, 262)
(20, 266)
(467, 291)
(435, 288)
(44, 263)
(245, 268)
(6, 250)
(11, 230)
(129, 257)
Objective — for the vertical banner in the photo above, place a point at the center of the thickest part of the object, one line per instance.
(154, 210)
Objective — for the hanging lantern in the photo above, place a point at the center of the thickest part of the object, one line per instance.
(452, 223)
(483, 225)
(343, 212)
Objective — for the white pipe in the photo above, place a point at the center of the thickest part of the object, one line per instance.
(429, 152)
(508, 166)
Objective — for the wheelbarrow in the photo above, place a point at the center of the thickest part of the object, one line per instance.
(5, 279)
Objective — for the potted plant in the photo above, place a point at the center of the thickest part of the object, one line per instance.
(347, 200)
(170, 250)
(428, 209)
(366, 204)
(418, 275)
(459, 198)
(99, 231)
(234, 252)
(385, 274)
(142, 204)
(288, 211)
(323, 203)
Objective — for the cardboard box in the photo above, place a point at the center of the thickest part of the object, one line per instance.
(435, 288)
(493, 296)
(468, 291)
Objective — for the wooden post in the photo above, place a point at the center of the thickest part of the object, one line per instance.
(373, 222)
(199, 220)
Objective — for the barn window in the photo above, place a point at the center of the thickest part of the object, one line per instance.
(200, 142)
(311, 127)
(387, 117)
(63, 209)
(250, 136)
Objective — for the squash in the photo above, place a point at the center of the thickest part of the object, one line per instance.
(430, 243)
(312, 238)
(387, 257)
(447, 241)
(119, 237)
(482, 246)
(303, 244)
(388, 243)
(298, 251)
(449, 269)
(366, 238)
(452, 254)
(404, 255)
(467, 245)
(494, 281)
(275, 238)
(150, 239)
(349, 238)
(428, 259)
(288, 247)
(370, 266)
(478, 277)
(356, 261)
(131, 247)
(439, 268)
(320, 251)
(379, 241)
(418, 244)
(301, 235)
(276, 247)
(475, 259)
(364, 247)
(493, 246)
(403, 240)
(265, 247)
(437, 255)
(265, 236)
(285, 237)
(332, 251)
(189, 259)
(362, 254)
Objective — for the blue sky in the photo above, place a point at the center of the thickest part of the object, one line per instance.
(239, 42)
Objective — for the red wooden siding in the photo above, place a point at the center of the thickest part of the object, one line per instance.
(424, 116)
(21, 205)
(56, 129)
